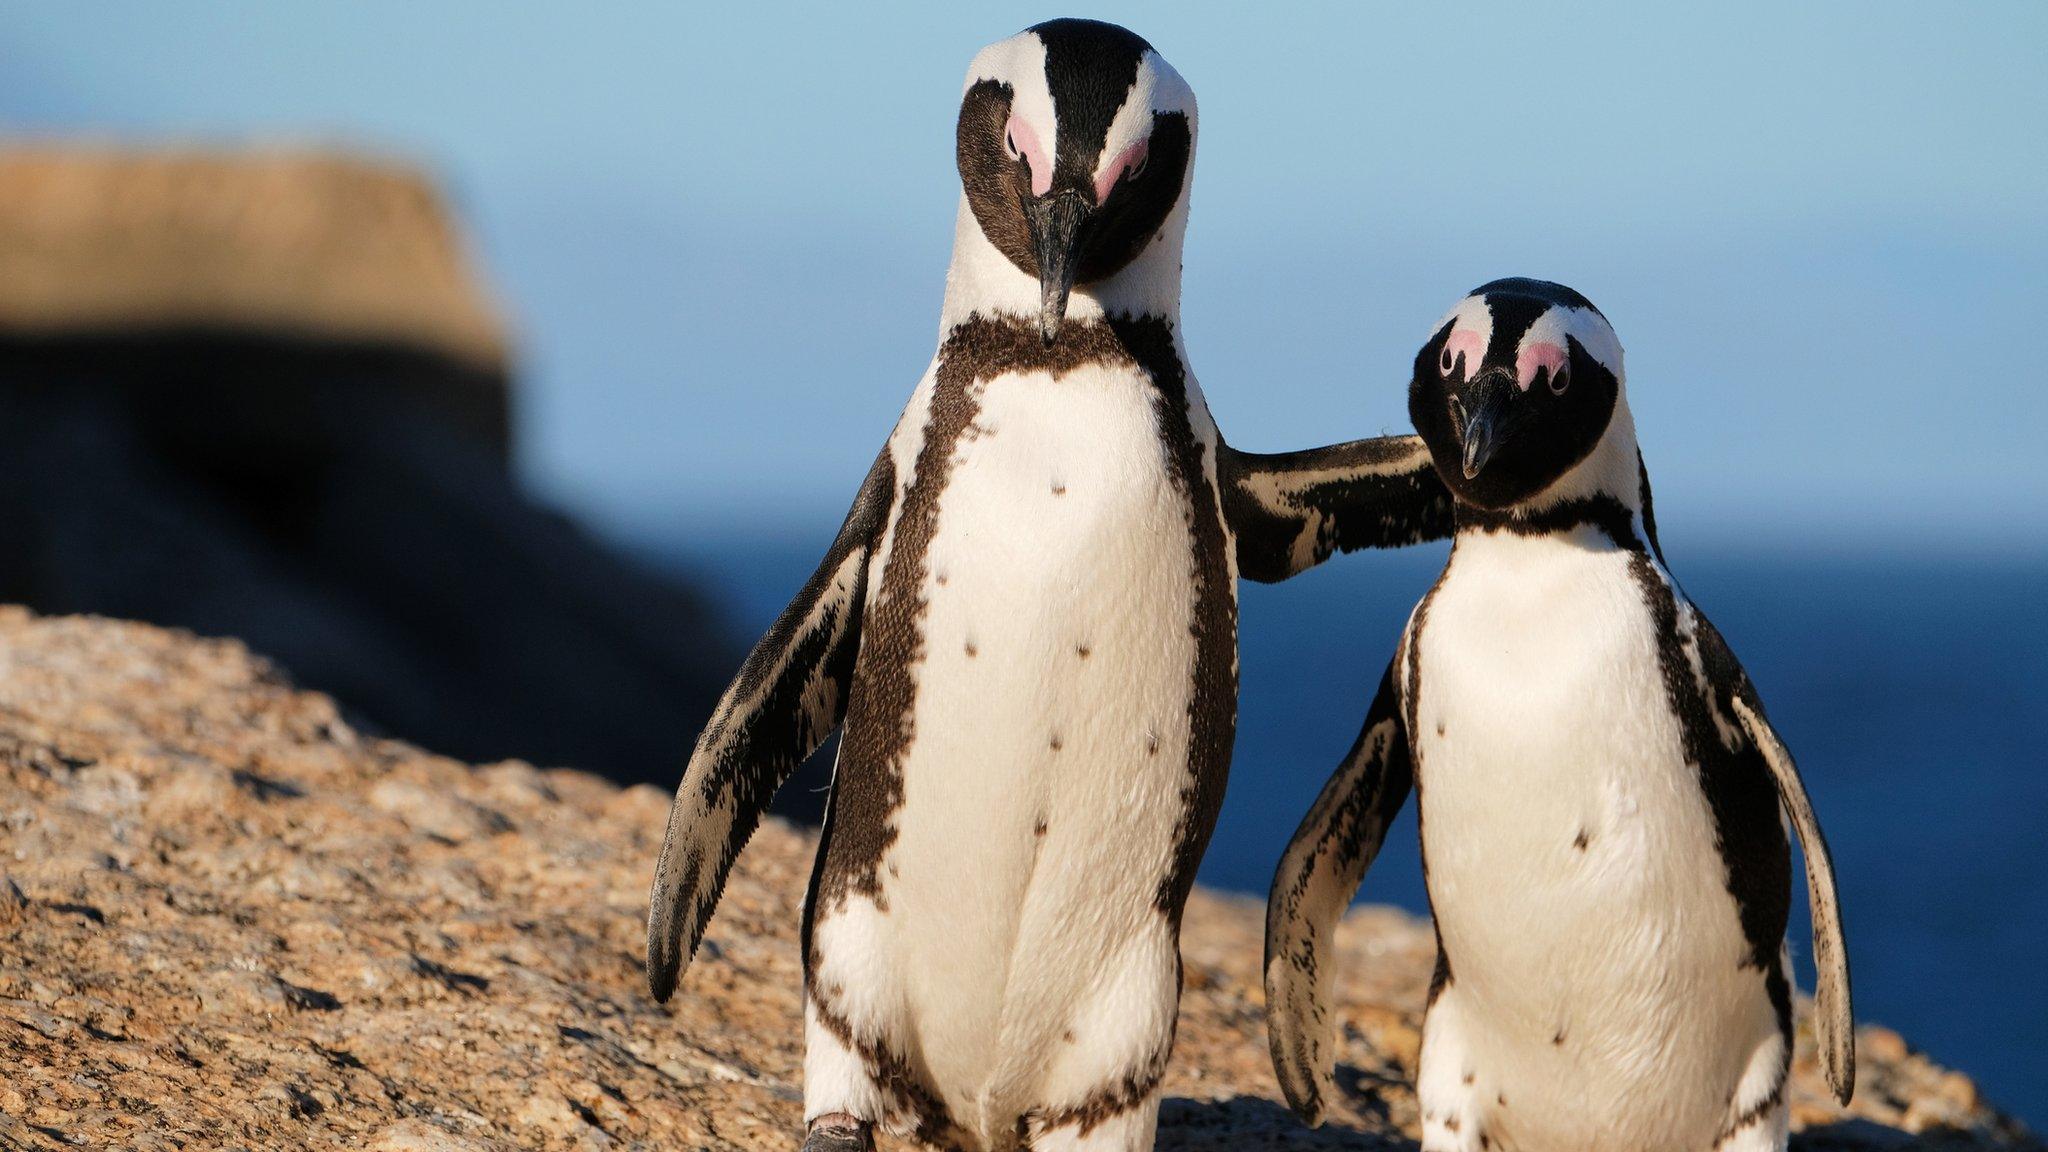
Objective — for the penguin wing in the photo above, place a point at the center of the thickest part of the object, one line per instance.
(789, 695)
(1290, 510)
(1834, 1023)
(1318, 875)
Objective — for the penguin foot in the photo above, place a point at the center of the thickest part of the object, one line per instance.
(839, 1132)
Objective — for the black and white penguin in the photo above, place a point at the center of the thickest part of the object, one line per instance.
(1600, 791)
(1028, 625)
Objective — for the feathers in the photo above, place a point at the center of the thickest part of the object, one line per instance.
(787, 698)
(1834, 1023)
(1291, 510)
(1318, 875)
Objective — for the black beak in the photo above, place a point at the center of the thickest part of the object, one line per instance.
(1487, 414)
(1056, 224)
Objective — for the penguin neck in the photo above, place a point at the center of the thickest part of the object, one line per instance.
(1608, 491)
(981, 281)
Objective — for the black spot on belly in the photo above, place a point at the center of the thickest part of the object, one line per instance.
(1084, 651)
(1058, 488)
(1557, 1040)
(971, 650)
(1581, 840)
(1038, 829)
(1056, 743)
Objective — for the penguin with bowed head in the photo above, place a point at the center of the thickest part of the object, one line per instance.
(1599, 791)
(1028, 628)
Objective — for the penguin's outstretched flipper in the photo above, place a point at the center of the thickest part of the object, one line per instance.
(1318, 875)
(1290, 510)
(1834, 1024)
(789, 695)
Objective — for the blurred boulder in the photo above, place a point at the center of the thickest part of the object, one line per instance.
(264, 395)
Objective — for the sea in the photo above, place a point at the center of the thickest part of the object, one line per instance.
(1911, 686)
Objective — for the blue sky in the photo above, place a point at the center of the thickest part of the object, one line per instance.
(1821, 230)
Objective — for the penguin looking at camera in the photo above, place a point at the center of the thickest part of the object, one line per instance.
(1599, 791)
(1028, 626)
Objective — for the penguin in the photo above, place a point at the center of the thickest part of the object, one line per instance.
(1599, 791)
(1027, 626)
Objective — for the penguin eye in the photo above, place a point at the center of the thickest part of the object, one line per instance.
(1560, 380)
(1138, 169)
(1447, 361)
(1010, 146)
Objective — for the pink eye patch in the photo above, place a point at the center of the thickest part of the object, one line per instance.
(1131, 159)
(1465, 342)
(1022, 141)
(1539, 355)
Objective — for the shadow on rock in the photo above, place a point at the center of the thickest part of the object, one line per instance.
(1861, 1134)
(1254, 1122)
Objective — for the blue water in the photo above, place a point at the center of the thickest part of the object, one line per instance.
(1911, 689)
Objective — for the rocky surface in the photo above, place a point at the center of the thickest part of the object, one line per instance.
(227, 920)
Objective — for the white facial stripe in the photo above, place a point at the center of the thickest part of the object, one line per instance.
(1586, 326)
(1132, 123)
(1471, 330)
(1020, 63)
(1157, 88)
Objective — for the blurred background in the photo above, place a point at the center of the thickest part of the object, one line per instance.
(503, 370)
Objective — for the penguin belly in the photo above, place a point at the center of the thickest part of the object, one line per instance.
(1597, 995)
(1043, 784)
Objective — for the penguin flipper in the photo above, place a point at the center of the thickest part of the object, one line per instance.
(1317, 877)
(789, 695)
(1290, 510)
(1834, 1023)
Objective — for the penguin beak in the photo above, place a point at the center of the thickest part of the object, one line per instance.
(1057, 223)
(1487, 415)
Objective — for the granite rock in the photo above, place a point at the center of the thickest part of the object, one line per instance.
(227, 920)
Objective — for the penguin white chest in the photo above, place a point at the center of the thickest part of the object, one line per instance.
(1043, 784)
(1057, 656)
(1572, 857)
(1543, 730)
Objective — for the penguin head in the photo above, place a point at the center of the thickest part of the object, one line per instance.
(1515, 388)
(1075, 142)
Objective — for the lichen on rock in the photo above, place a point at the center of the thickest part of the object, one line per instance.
(226, 920)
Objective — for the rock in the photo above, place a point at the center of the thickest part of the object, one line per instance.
(262, 393)
(420, 1136)
(13, 902)
(322, 246)
(313, 959)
